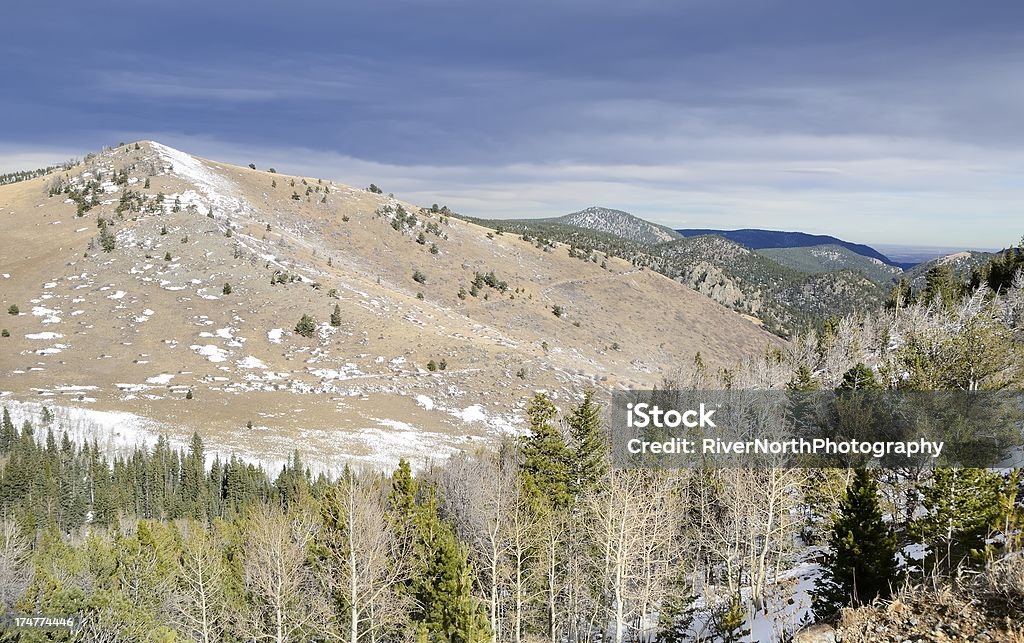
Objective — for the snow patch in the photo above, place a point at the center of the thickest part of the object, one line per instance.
(46, 335)
(210, 352)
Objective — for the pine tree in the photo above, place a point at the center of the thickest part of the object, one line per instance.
(962, 506)
(195, 493)
(941, 286)
(803, 381)
(589, 446)
(861, 563)
(7, 432)
(730, 621)
(336, 316)
(859, 378)
(546, 467)
(305, 326)
(443, 591)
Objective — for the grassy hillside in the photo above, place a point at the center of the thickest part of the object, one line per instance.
(170, 289)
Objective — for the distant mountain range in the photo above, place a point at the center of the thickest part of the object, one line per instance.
(757, 239)
(787, 280)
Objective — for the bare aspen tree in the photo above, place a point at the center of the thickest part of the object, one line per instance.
(362, 562)
(619, 535)
(15, 568)
(549, 533)
(284, 604)
(480, 492)
(201, 605)
(659, 514)
(522, 555)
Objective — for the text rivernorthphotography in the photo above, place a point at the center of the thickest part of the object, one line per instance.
(801, 446)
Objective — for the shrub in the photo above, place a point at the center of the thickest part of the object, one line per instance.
(419, 295)
(13, 309)
(306, 326)
(442, 365)
(226, 289)
(163, 230)
(376, 190)
(433, 248)
(557, 310)
(5, 333)
(252, 166)
(188, 396)
(432, 366)
(167, 256)
(419, 277)
(272, 171)
(336, 316)
(521, 373)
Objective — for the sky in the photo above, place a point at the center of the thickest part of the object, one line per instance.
(875, 121)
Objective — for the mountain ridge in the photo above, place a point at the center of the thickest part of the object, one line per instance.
(759, 239)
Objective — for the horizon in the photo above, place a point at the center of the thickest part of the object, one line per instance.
(857, 122)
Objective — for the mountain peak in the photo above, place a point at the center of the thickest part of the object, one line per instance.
(619, 223)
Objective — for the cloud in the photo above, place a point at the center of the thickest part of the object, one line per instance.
(15, 158)
(876, 119)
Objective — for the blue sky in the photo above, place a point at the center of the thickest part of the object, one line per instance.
(875, 121)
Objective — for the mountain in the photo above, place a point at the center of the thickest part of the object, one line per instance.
(760, 239)
(153, 291)
(830, 258)
(961, 263)
(783, 298)
(618, 223)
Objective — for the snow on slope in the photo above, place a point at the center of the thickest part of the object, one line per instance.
(216, 189)
(619, 223)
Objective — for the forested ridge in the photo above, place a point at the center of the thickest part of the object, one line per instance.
(537, 539)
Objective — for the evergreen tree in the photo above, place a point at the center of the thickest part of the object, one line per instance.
(861, 563)
(306, 326)
(962, 506)
(859, 378)
(589, 446)
(803, 381)
(7, 432)
(336, 316)
(941, 287)
(547, 461)
(195, 493)
(443, 591)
